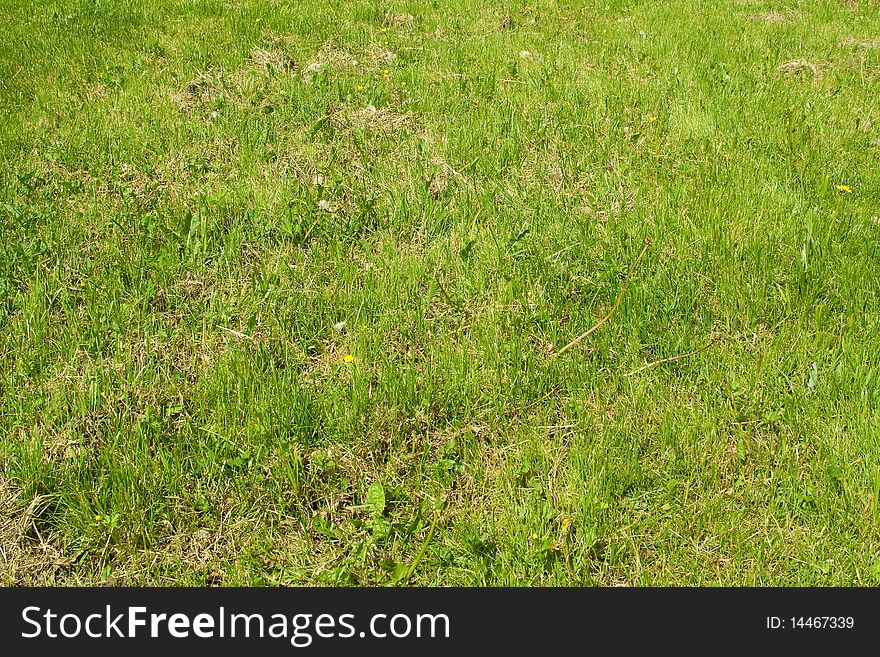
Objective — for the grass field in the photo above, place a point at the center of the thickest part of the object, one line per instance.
(286, 290)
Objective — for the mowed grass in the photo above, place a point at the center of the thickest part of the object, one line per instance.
(284, 288)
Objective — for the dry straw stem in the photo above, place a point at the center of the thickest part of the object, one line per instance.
(672, 359)
(596, 326)
(237, 334)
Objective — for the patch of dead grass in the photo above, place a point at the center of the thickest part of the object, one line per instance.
(797, 67)
(202, 90)
(380, 54)
(329, 56)
(372, 119)
(772, 18)
(203, 549)
(26, 555)
(860, 44)
(210, 90)
(401, 21)
(272, 61)
(336, 59)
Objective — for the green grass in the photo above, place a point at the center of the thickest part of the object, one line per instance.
(205, 206)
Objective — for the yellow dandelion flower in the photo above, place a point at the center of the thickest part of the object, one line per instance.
(534, 537)
(652, 118)
(348, 358)
(846, 189)
(98, 517)
(360, 87)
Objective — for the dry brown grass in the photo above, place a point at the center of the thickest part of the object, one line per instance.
(401, 21)
(27, 556)
(372, 119)
(329, 56)
(439, 183)
(772, 18)
(860, 44)
(272, 61)
(210, 89)
(202, 90)
(335, 59)
(379, 54)
(797, 67)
